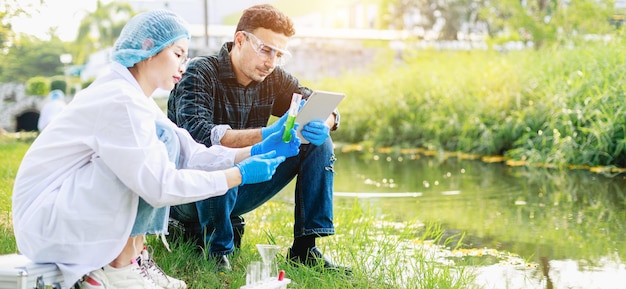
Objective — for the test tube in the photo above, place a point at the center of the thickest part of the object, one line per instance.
(291, 118)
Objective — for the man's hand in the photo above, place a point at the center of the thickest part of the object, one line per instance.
(274, 142)
(274, 127)
(277, 125)
(316, 132)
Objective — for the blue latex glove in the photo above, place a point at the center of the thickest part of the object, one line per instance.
(274, 127)
(277, 125)
(259, 168)
(316, 132)
(274, 142)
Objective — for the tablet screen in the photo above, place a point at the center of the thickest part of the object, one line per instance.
(318, 106)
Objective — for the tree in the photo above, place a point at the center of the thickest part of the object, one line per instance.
(584, 17)
(29, 56)
(5, 29)
(539, 21)
(443, 19)
(8, 10)
(548, 22)
(101, 28)
(23, 57)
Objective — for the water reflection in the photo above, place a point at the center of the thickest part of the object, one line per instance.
(571, 224)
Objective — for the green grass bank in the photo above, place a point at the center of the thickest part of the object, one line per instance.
(560, 107)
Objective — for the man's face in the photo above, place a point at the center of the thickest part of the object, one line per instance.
(261, 50)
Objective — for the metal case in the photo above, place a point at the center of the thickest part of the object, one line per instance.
(19, 272)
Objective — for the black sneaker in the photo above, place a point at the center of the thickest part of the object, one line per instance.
(222, 264)
(314, 258)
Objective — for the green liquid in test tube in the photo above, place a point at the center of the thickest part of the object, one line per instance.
(291, 121)
(291, 118)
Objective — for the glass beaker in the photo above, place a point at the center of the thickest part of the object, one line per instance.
(268, 254)
(253, 273)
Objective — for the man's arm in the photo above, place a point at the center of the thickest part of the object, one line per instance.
(280, 85)
(190, 104)
(247, 137)
(241, 138)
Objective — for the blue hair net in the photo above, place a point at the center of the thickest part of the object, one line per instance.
(56, 94)
(147, 34)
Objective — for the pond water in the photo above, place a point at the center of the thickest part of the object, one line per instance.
(567, 227)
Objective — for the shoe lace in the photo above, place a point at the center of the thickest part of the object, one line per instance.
(145, 274)
(148, 264)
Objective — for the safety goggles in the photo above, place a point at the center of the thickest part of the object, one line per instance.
(266, 51)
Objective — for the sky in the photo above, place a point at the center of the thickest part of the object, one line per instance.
(63, 14)
(67, 14)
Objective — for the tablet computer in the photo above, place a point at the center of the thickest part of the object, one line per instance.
(318, 106)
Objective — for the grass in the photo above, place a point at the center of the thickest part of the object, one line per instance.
(11, 152)
(382, 257)
(382, 254)
(556, 107)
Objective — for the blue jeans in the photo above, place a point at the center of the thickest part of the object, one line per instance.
(209, 220)
(152, 220)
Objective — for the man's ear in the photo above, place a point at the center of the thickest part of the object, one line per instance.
(240, 38)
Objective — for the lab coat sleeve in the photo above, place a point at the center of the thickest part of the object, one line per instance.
(197, 156)
(127, 143)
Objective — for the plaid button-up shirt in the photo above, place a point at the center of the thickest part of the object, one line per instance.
(208, 97)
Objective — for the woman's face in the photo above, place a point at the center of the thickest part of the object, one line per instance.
(166, 67)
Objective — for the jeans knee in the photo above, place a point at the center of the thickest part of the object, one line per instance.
(331, 164)
(329, 154)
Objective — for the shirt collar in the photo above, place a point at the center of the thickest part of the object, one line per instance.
(225, 66)
(125, 73)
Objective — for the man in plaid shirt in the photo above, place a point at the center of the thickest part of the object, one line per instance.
(228, 99)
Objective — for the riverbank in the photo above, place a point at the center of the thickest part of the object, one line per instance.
(561, 107)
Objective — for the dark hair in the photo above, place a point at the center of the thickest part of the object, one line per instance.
(268, 17)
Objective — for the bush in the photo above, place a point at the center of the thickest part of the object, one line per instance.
(86, 83)
(555, 107)
(38, 85)
(59, 84)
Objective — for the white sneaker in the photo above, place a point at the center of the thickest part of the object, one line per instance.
(129, 277)
(157, 274)
(95, 280)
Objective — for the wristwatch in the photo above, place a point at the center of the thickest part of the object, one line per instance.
(336, 125)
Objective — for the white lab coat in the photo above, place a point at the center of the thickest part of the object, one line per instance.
(76, 192)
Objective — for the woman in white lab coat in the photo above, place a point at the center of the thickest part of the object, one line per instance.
(102, 175)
